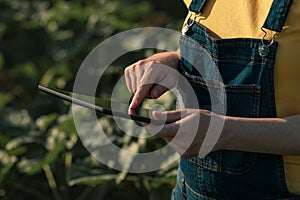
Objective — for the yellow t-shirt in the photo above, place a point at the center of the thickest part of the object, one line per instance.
(246, 19)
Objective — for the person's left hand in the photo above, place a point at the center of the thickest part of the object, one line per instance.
(187, 132)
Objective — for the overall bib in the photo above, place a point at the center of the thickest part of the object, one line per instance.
(246, 66)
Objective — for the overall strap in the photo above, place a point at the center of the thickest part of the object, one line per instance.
(196, 5)
(277, 15)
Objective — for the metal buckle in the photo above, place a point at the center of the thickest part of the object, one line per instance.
(187, 25)
(263, 49)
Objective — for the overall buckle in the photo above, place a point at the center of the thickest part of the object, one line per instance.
(263, 49)
(187, 25)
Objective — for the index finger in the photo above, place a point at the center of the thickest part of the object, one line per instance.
(140, 94)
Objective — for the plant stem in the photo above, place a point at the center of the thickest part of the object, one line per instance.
(51, 181)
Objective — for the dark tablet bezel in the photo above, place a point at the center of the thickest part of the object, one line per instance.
(70, 98)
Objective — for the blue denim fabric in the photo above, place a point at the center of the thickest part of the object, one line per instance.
(277, 15)
(249, 88)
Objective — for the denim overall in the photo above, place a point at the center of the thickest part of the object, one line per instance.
(246, 66)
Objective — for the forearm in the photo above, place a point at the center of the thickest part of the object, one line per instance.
(264, 135)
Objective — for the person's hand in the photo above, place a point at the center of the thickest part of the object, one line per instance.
(188, 130)
(152, 77)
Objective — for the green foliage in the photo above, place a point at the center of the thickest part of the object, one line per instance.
(41, 155)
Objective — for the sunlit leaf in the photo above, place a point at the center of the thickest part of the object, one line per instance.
(21, 141)
(15, 118)
(6, 162)
(29, 166)
(45, 121)
(92, 180)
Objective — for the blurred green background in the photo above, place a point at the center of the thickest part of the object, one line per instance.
(41, 156)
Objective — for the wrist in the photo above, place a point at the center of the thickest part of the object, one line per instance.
(225, 137)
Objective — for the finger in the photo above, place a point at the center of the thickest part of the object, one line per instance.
(139, 95)
(169, 116)
(134, 80)
(157, 91)
(130, 78)
(128, 82)
(138, 75)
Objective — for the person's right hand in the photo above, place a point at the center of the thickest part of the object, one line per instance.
(152, 77)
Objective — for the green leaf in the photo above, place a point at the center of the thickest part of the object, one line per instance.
(52, 155)
(22, 140)
(92, 180)
(5, 98)
(45, 121)
(11, 118)
(83, 170)
(6, 162)
(4, 139)
(29, 166)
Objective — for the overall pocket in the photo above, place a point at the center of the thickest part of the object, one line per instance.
(240, 101)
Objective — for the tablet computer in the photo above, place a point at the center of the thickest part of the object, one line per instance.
(104, 106)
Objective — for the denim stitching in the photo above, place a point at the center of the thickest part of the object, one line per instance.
(247, 166)
(213, 167)
(222, 44)
(272, 105)
(281, 175)
(228, 88)
(197, 194)
(201, 181)
(256, 102)
(227, 59)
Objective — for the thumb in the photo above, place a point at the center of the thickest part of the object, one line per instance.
(169, 116)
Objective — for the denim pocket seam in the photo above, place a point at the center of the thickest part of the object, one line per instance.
(253, 89)
(212, 167)
(189, 190)
(227, 88)
(254, 110)
(246, 167)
